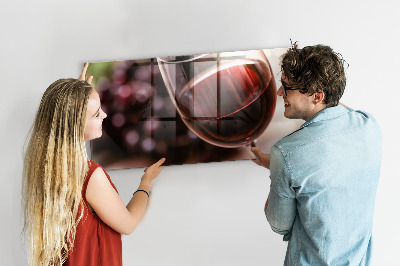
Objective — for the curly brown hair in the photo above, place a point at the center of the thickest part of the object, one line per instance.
(316, 69)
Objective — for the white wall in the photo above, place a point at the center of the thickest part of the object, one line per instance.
(206, 214)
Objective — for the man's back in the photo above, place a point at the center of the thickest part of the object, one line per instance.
(328, 172)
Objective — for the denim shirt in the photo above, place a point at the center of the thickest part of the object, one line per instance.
(323, 183)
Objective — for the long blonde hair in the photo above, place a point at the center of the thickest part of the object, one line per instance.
(55, 167)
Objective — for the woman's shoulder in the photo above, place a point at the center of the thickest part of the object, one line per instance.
(97, 170)
(92, 166)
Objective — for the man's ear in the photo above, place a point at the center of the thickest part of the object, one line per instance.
(318, 97)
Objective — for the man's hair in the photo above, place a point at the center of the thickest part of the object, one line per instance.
(316, 69)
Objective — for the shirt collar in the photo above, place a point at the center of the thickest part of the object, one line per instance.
(325, 114)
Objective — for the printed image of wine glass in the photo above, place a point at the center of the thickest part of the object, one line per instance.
(226, 99)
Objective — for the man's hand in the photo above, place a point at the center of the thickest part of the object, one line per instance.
(345, 106)
(263, 159)
(83, 74)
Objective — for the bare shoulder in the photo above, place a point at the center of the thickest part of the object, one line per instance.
(98, 183)
(98, 173)
(105, 201)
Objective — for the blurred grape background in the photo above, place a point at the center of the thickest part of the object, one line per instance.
(142, 124)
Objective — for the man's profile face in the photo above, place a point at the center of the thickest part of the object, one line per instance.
(297, 104)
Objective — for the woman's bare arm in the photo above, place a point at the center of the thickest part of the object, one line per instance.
(108, 205)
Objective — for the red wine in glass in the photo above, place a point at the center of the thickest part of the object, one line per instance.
(228, 104)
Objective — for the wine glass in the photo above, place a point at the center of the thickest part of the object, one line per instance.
(227, 99)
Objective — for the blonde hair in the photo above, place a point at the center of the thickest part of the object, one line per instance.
(55, 167)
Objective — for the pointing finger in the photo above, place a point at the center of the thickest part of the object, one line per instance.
(161, 161)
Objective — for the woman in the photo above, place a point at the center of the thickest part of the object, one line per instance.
(73, 213)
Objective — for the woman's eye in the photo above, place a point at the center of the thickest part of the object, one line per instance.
(97, 115)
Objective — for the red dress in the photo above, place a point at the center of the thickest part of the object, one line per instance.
(95, 242)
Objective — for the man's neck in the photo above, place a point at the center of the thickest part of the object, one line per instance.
(318, 108)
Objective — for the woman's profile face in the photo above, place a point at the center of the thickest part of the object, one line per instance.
(94, 117)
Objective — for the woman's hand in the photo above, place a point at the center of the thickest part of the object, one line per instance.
(83, 74)
(152, 172)
(263, 159)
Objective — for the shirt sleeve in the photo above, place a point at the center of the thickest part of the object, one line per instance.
(281, 210)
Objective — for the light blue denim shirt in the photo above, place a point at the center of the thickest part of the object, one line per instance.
(323, 183)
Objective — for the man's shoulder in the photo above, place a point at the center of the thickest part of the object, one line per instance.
(361, 121)
(323, 130)
(292, 142)
(367, 117)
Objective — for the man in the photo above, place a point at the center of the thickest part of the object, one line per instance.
(324, 175)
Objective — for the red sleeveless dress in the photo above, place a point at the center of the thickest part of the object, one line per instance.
(95, 242)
